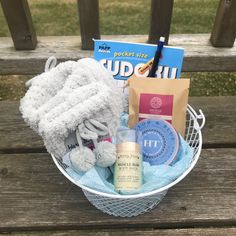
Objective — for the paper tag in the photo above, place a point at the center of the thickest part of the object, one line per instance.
(71, 141)
(153, 106)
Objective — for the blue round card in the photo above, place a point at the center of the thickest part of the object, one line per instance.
(160, 141)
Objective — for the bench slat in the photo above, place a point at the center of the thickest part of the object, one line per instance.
(199, 54)
(19, 20)
(219, 130)
(35, 195)
(224, 30)
(89, 26)
(15, 134)
(220, 113)
(161, 12)
(132, 232)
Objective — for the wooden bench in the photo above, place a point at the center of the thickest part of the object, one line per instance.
(36, 199)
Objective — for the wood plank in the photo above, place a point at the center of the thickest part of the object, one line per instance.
(89, 22)
(133, 232)
(219, 130)
(220, 113)
(199, 54)
(18, 16)
(35, 196)
(224, 29)
(15, 134)
(161, 13)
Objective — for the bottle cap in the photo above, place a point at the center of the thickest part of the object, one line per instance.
(128, 147)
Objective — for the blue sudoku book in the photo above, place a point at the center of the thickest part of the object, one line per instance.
(124, 59)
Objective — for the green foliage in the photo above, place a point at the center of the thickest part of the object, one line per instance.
(53, 17)
(193, 16)
(212, 84)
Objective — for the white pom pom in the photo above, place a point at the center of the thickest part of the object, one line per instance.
(82, 159)
(105, 153)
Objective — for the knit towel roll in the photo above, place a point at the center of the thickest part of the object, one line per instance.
(68, 95)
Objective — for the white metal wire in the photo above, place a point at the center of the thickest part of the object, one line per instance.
(124, 207)
(133, 205)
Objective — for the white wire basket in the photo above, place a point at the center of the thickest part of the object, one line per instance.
(133, 205)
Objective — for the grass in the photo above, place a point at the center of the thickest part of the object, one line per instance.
(53, 17)
(212, 84)
(12, 87)
(59, 17)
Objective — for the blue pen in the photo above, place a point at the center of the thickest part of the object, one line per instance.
(160, 45)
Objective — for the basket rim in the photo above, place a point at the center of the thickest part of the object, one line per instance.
(141, 195)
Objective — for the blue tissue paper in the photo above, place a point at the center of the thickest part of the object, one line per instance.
(154, 176)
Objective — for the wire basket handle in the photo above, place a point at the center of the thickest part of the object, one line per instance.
(201, 117)
(197, 117)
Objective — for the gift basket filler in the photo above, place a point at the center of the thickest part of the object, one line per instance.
(118, 126)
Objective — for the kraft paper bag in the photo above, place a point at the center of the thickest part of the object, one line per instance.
(152, 98)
